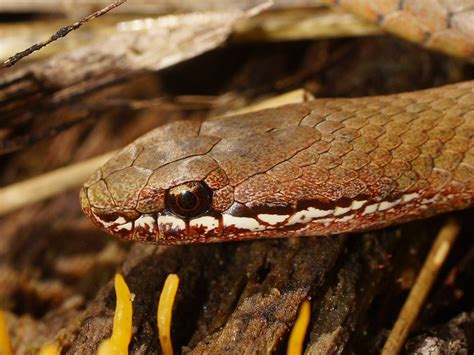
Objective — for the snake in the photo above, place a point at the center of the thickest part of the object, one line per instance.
(317, 168)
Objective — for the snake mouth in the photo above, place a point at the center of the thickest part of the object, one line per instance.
(241, 221)
(119, 223)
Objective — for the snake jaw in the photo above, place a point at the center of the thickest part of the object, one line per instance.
(242, 222)
(120, 223)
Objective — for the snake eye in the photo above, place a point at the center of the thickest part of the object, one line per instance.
(189, 200)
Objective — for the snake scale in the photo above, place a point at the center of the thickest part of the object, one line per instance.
(323, 167)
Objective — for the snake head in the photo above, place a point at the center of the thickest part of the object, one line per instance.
(188, 182)
(155, 187)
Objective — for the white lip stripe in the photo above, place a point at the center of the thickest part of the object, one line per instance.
(357, 204)
(410, 197)
(385, 205)
(272, 218)
(427, 201)
(119, 220)
(252, 224)
(305, 216)
(341, 210)
(242, 223)
(127, 226)
(371, 209)
(206, 221)
(173, 222)
(146, 222)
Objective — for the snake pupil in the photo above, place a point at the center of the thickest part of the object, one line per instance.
(189, 200)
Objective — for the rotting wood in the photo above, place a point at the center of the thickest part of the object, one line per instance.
(453, 337)
(253, 289)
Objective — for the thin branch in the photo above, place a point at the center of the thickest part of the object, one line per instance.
(62, 32)
(420, 290)
(43, 186)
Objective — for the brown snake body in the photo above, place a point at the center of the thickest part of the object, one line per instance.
(324, 167)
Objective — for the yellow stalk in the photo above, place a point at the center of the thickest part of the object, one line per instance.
(298, 333)
(122, 328)
(165, 312)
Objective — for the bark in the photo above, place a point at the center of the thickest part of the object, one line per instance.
(454, 337)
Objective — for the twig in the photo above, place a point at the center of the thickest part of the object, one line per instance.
(62, 32)
(422, 287)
